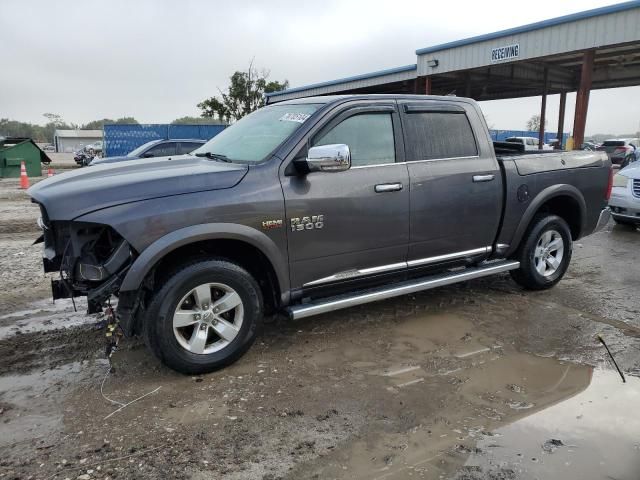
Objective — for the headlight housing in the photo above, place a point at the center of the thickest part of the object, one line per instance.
(620, 180)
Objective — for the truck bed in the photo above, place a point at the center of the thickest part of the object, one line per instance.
(532, 162)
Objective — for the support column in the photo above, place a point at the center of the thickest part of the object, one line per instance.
(543, 108)
(467, 85)
(423, 85)
(563, 103)
(582, 99)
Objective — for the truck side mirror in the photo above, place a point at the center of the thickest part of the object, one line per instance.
(329, 158)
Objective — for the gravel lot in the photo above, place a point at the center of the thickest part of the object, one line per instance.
(478, 380)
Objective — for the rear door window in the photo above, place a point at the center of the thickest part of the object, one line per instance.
(162, 150)
(187, 147)
(432, 135)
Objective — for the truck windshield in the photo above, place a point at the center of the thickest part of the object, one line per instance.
(255, 136)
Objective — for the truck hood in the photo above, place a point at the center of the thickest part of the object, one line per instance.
(100, 161)
(72, 194)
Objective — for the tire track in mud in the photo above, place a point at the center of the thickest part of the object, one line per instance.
(22, 353)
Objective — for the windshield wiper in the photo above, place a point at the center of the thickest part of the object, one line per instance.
(214, 156)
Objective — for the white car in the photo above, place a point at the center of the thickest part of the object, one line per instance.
(530, 143)
(625, 195)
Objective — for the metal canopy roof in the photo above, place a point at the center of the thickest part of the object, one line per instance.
(553, 48)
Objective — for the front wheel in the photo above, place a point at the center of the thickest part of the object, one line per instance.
(544, 253)
(204, 317)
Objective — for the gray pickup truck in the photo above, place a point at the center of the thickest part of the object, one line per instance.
(310, 206)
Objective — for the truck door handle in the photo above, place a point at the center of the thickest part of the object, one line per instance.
(483, 178)
(388, 187)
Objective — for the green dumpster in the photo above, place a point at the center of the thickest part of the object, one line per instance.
(13, 151)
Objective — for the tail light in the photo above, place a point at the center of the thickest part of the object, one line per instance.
(626, 149)
(609, 185)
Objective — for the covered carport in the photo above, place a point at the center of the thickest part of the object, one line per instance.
(594, 49)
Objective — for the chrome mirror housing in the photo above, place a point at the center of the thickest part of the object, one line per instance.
(329, 158)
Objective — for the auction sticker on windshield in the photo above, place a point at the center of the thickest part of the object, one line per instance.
(294, 117)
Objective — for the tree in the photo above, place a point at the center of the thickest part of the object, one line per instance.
(53, 118)
(245, 95)
(99, 124)
(533, 124)
(197, 121)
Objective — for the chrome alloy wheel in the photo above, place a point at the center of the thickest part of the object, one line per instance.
(208, 318)
(548, 253)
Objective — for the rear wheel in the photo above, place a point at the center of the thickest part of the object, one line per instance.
(544, 253)
(204, 317)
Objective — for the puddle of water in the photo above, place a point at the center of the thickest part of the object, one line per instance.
(33, 401)
(598, 432)
(45, 316)
(506, 393)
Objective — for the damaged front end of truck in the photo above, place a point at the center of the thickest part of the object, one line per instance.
(91, 259)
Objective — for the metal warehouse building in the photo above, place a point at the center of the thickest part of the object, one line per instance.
(73, 140)
(594, 49)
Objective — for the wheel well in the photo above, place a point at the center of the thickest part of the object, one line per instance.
(241, 253)
(568, 209)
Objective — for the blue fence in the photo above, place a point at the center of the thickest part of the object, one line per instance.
(500, 135)
(121, 139)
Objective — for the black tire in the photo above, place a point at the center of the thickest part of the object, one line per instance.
(528, 276)
(158, 322)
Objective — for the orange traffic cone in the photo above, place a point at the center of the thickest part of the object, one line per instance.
(24, 180)
(50, 172)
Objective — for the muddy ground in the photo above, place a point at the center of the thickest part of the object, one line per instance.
(478, 380)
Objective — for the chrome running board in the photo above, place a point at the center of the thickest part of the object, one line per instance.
(325, 305)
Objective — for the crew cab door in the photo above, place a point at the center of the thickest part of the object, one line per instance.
(355, 223)
(456, 185)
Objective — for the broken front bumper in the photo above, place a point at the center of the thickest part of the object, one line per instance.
(92, 259)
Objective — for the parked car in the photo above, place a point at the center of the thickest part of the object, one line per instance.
(590, 146)
(530, 143)
(554, 143)
(625, 195)
(95, 147)
(156, 148)
(83, 157)
(621, 151)
(49, 148)
(309, 206)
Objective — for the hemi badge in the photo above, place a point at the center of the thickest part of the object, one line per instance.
(269, 224)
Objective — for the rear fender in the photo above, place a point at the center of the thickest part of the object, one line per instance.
(540, 199)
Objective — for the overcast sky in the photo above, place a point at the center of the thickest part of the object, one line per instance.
(156, 59)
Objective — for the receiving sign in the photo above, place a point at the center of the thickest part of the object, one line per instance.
(502, 54)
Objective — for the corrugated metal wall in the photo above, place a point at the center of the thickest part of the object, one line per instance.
(121, 139)
(612, 29)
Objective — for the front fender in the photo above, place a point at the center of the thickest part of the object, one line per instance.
(196, 233)
(540, 199)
